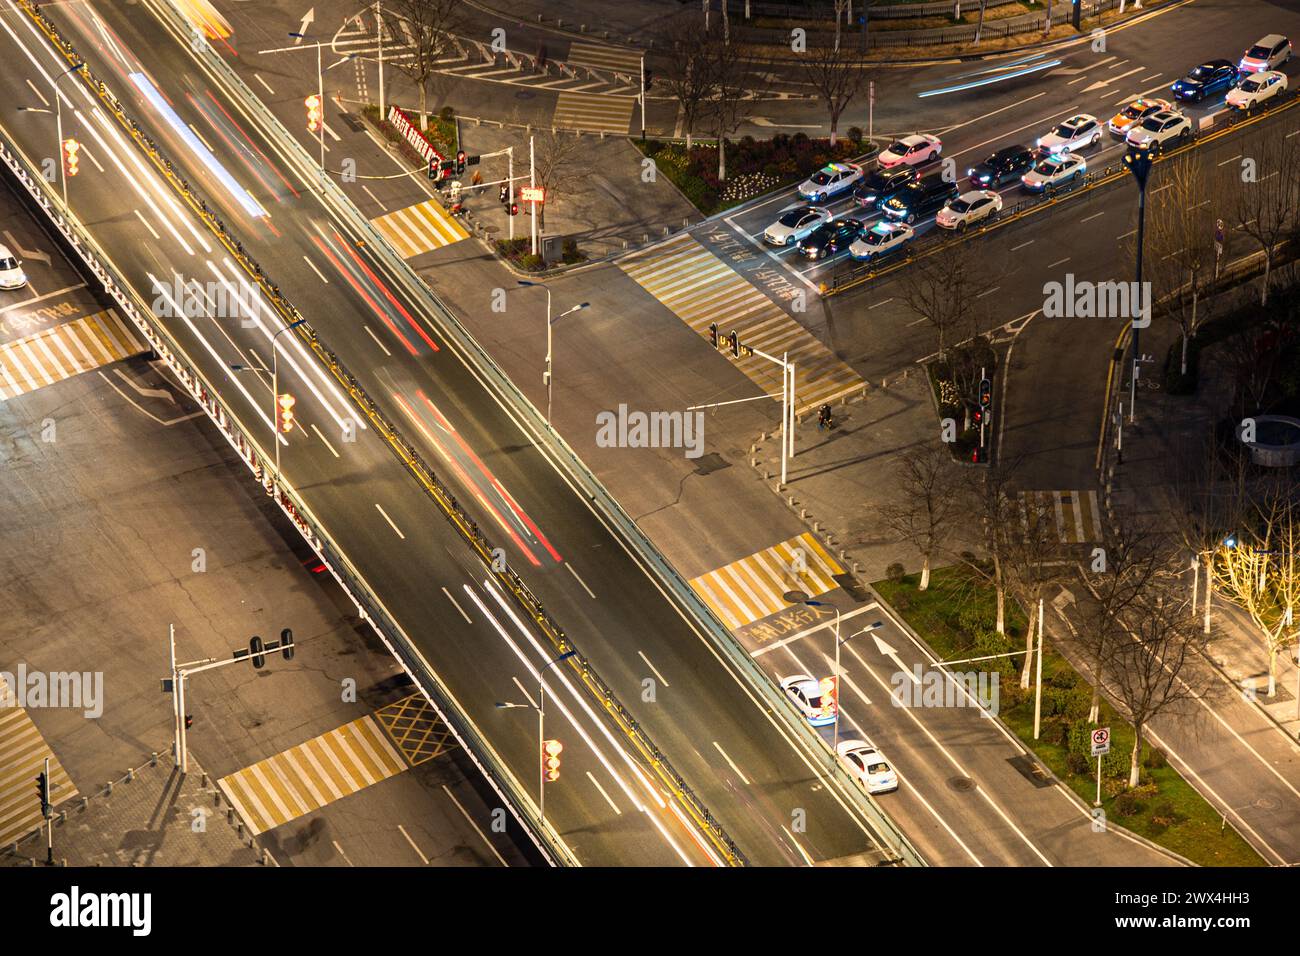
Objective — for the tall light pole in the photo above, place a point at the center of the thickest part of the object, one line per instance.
(1139, 162)
(642, 97)
(835, 675)
(275, 385)
(547, 378)
(320, 92)
(540, 707)
(58, 120)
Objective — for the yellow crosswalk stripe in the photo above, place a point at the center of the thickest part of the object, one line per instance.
(1076, 514)
(700, 288)
(601, 57)
(753, 587)
(419, 228)
(611, 114)
(22, 756)
(313, 774)
(69, 349)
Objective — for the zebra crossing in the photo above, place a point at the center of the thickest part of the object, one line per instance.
(598, 56)
(313, 774)
(700, 289)
(22, 756)
(1077, 514)
(420, 228)
(752, 588)
(63, 351)
(608, 114)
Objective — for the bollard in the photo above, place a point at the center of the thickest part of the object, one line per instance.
(790, 501)
(130, 775)
(108, 789)
(817, 526)
(204, 780)
(803, 512)
(153, 759)
(667, 230)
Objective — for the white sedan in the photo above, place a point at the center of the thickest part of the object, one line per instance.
(1257, 89)
(1075, 133)
(11, 270)
(807, 696)
(866, 763)
(1053, 172)
(880, 240)
(795, 224)
(968, 209)
(1160, 130)
(830, 180)
(911, 150)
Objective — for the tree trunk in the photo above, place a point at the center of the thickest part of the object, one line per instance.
(925, 574)
(835, 126)
(726, 24)
(1002, 593)
(1047, 25)
(1268, 264)
(1135, 764)
(424, 107)
(1094, 712)
(1183, 366)
(837, 28)
(1029, 649)
(1272, 670)
(979, 27)
(722, 158)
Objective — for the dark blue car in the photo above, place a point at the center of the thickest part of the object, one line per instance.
(1214, 76)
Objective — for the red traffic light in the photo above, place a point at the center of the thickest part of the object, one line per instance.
(286, 403)
(70, 149)
(313, 112)
(514, 209)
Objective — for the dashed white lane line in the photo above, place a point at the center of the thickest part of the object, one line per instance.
(579, 580)
(374, 197)
(145, 221)
(802, 851)
(1022, 245)
(390, 522)
(1131, 232)
(1093, 216)
(457, 606)
(474, 825)
(882, 302)
(731, 763)
(1230, 159)
(423, 859)
(377, 342)
(264, 83)
(988, 292)
(339, 849)
(661, 677)
(319, 274)
(1058, 262)
(596, 783)
(325, 440)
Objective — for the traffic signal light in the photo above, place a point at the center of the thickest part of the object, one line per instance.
(503, 194)
(43, 791)
(713, 335)
(70, 149)
(986, 393)
(551, 759)
(460, 162)
(286, 644)
(734, 341)
(978, 416)
(286, 403)
(189, 721)
(514, 209)
(649, 79)
(255, 650)
(313, 112)
(977, 455)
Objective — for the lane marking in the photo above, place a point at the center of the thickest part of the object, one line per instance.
(423, 859)
(377, 342)
(731, 763)
(661, 677)
(258, 77)
(1022, 245)
(457, 606)
(988, 292)
(579, 580)
(319, 274)
(145, 223)
(1058, 262)
(390, 522)
(878, 304)
(325, 440)
(596, 783)
(1093, 216)
(339, 850)
(470, 819)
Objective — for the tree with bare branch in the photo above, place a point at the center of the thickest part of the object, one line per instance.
(1267, 201)
(836, 79)
(557, 167)
(431, 25)
(690, 81)
(736, 84)
(944, 288)
(986, 494)
(925, 509)
(1031, 546)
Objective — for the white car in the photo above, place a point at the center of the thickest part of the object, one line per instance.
(795, 224)
(880, 240)
(1160, 130)
(830, 181)
(911, 150)
(11, 270)
(1075, 133)
(866, 763)
(1256, 89)
(807, 696)
(968, 209)
(1052, 172)
(1268, 54)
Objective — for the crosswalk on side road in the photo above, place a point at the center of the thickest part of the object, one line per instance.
(1076, 514)
(701, 289)
(22, 757)
(420, 228)
(609, 114)
(754, 587)
(63, 351)
(601, 57)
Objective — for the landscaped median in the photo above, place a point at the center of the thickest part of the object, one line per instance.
(955, 615)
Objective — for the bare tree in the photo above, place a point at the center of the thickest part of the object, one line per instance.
(431, 24)
(987, 496)
(837, 80)
(944, 288)
(556, 165)
(1267, 200)
(843, 10)
(735, 85)
(1156, 666)
(689, 81)
(923, 514)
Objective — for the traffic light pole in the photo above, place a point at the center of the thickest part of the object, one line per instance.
(642, 97)
(532, 182)
(47, 810)
(787, 407)
(275, 389)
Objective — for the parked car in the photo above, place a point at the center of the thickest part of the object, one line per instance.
(794, 224)
(968, 209)
(1053, 172)
(807, 696)
(868, 765)
(1004, 166)
(882, 184)
(882, 239)
(829, 181)
(1075, 133)
(11, 270)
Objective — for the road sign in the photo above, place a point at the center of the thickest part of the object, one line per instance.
(532, 194)
(1101, 741)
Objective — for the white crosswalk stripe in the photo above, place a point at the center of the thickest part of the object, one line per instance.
(601, 57)
(69, 349)
(752, 588)
(1076, 514)
(419, 228)
(22, 756)
(701, 289)
(610, 114)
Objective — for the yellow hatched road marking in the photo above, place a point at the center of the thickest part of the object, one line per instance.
(753, 587)
(701, 289)
(419, 228)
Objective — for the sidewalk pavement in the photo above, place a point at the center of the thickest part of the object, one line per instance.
(153, 816)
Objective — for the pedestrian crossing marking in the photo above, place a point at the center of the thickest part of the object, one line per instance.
(416, 729)
(753, 587)
(609, 114)
(22, 756)
(419, 228)
(601, 57)
(1076, 514)
(63, 351)
(700, 288)
(313, 774)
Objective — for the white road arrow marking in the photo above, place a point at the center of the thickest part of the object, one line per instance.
(764, 121)
(1102, 84)
(307, 18)
(883, 646)
(26, 253)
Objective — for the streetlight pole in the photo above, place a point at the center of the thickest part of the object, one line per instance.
(642, 97)
(320, 92)
(835, 733)
(379, 30)
(547, 378)
(275, 386)
(540, 707)
(1139, 162)
(58, 123)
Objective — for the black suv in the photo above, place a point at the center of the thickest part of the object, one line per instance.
(883, 184)
(920, 198)
(830, 238)
(1003, 166)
